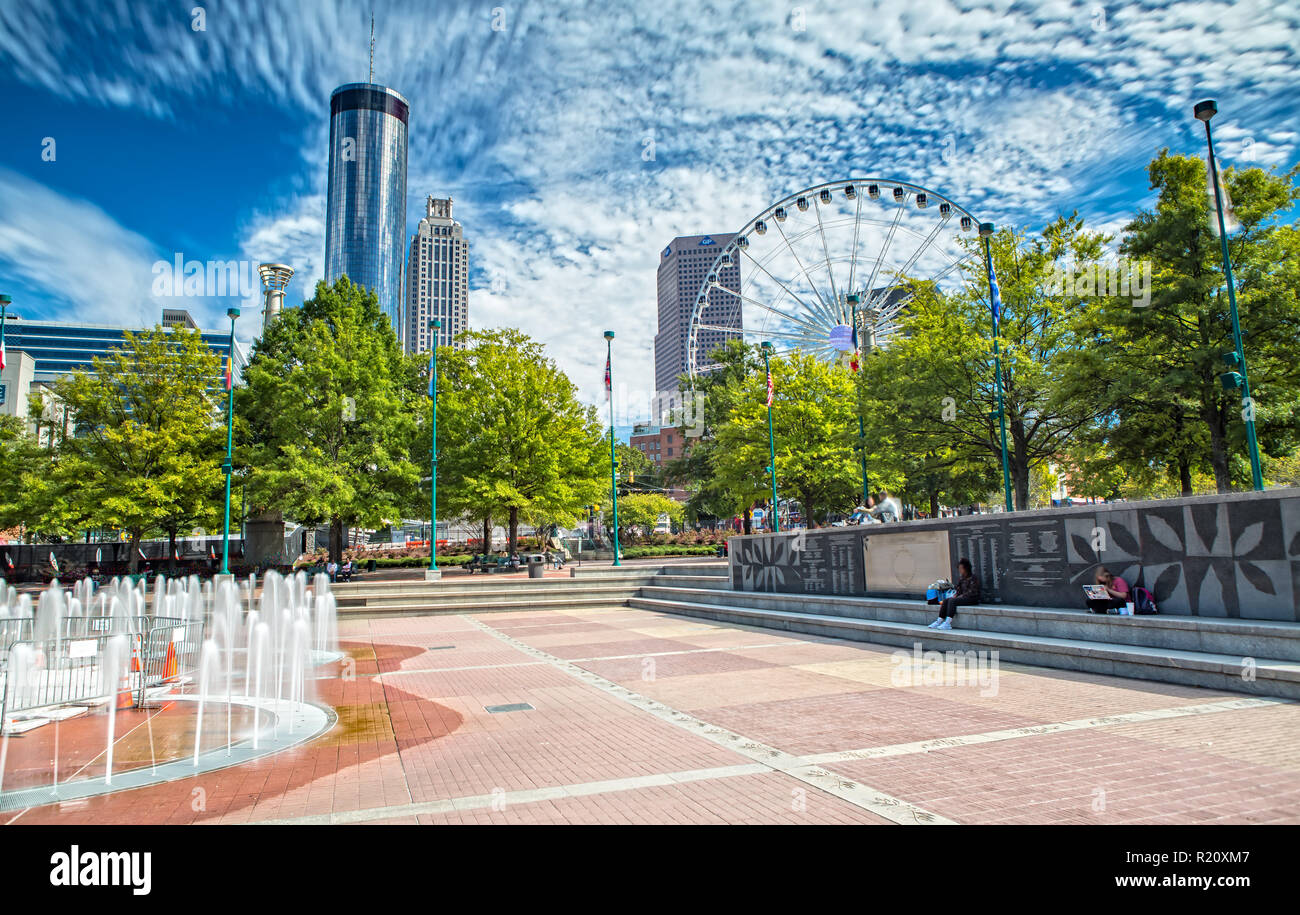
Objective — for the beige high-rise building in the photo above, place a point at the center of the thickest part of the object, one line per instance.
(437, 279)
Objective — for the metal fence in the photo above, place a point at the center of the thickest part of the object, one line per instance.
(168, 654)
(73, 668)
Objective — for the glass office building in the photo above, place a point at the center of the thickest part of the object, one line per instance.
(60, 347)
(365, 208)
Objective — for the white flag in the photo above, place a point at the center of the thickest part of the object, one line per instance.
(1229, 216)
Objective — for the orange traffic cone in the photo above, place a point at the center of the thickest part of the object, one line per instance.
(169, 663)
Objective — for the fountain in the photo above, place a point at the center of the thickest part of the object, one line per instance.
(119, 649)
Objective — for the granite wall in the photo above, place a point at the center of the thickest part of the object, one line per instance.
(1234, 555)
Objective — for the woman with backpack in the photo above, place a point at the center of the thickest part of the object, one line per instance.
(1117, 589)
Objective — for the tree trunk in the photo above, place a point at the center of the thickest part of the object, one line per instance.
(514, 530)
(1218, 446)
(1185, 474)
(748, 523)
(487, 533)
(934, 504)
(135, 552)
(336, 539)
(171, 552)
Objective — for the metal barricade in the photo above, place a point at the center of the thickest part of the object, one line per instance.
(169, 654)
(54, 672)
(46, 673)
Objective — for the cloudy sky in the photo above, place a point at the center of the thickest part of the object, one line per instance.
(578, 138)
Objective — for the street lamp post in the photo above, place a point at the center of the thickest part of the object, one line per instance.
(228, 467)
(771, 438)
(5, 302)
(862, 427)
(1237, 376)
(433, 574)
(986, 231)
(613, 461)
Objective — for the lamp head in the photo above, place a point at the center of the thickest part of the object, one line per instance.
(5, 301)
(986, 229)
(609, 335)
(767, 347)
(1206, 110)
(435, 323)
(232, 312)
(852, 298)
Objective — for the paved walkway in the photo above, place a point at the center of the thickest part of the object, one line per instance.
(635, 717)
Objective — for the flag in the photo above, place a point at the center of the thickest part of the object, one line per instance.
(1229, 214)
(609, 386)
(769, 386)
(433, 376)
(853, 361)
(995, 299)
(3, 363)
(9, 561)
(230, 377)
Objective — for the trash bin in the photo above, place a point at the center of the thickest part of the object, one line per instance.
(370, 565)
(536, 566)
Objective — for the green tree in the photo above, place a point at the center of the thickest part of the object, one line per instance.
(931, 394)
(815, 428)
(634, 467)
(329, 415)
(519, 444)
(1159, 366)
(712, 398)
(145, 453)
(643, 510)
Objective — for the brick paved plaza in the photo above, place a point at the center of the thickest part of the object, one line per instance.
(638, 717)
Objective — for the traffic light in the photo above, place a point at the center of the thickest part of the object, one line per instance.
(1231, 380)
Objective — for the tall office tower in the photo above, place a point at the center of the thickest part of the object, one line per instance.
(365, 207)
(683, 267)
(437, 279)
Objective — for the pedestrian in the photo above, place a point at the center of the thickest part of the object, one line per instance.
(967, 593)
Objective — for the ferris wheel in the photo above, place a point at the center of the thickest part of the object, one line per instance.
(822, 263)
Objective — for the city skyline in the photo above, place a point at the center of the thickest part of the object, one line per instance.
(577, 169)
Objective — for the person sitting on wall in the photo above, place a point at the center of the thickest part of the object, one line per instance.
(967, 593)
(1117, 589)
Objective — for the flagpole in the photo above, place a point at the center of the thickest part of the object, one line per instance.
(4, 306)
(771, 438)
(613, 462)
(228, 466)
(853, 300)
(433, 574)
(986, 230)
(1237, 358)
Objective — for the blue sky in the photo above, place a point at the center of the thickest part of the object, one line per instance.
(537, 117)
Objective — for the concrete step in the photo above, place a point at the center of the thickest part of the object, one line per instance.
(1243, 638)
(488, 595)
(710, 582)
(1231, 672)
(523, 602)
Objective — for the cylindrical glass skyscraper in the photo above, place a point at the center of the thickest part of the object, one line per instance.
(365, 208)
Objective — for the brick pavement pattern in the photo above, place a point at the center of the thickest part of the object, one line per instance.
(638, 717)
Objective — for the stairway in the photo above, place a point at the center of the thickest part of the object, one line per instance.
(1258, 657)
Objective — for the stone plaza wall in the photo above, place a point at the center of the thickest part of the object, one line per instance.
(1234, 555)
